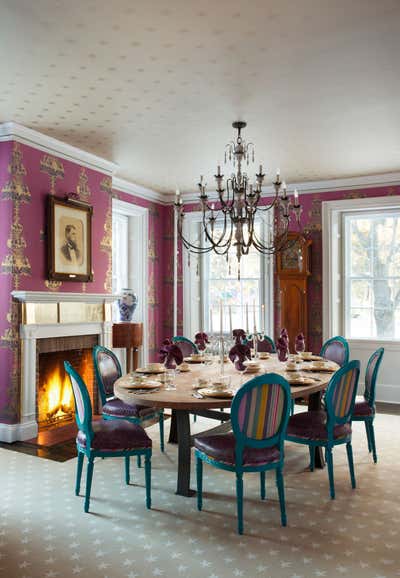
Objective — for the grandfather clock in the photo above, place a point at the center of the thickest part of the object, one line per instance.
(293, 267)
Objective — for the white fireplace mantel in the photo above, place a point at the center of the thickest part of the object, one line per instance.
(29, 333)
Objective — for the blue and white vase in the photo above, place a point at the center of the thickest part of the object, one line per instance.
(127, 304)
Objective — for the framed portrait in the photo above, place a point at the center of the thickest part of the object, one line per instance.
(69, 240)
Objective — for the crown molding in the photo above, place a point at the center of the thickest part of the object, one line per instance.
(310, 187)
(130, 188)
(22, 134)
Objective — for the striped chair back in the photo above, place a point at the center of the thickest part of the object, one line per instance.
(341, 393)
(260, 410)
(371, 375)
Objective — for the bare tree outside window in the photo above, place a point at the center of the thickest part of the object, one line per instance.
(372, 275)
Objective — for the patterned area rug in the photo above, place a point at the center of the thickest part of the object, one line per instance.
(44, 532)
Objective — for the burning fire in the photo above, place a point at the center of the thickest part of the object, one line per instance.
(59, 397)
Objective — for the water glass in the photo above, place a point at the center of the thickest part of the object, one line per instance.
(170, 379)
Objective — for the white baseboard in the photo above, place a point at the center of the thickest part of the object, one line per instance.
(18, 431)
(388, 393)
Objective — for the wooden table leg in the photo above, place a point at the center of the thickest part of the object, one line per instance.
(314, 404)
(184, 453)
(173, 432)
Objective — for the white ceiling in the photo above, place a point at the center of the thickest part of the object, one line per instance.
(154, 86)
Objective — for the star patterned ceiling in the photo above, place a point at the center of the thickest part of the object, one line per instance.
(154, 86)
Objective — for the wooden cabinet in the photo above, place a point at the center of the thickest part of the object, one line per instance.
(130, 337)
(293, 267)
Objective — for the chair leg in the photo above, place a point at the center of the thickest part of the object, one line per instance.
(372, 437)
(147, 473)
(312, 457)
(281, 493)
(89, 477)
(79, 473)
(194, 418)
(291, 406)
(161, 424)
(199, 475)
(367, 431)
(139, 461)
(329, 461)
(127, 470)
(239, 501)
(262, 485)
(351, 464)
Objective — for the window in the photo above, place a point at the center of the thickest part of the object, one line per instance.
(371, 249)
(361, 269)
(212, 281)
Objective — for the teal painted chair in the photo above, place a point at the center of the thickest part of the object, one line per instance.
(185, 345)
(331, 426)
(108, 370)
(104, 439)
(364, 408)
(259, 416)
(336, 349)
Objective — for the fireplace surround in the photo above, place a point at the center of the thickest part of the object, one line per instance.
(51, 316)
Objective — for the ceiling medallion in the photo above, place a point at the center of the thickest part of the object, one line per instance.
(236, 218)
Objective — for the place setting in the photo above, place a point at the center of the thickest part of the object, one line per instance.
(219, 388)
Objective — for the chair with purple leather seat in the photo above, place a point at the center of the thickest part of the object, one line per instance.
(259, 416)
(104, 439)
(185, 345)
(108, 370)
(336, 349)
(331, 426)
(364, 408)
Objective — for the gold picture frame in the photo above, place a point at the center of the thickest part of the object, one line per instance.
(69, 240)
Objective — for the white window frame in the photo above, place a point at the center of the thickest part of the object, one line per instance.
(192, 289)
(332, 258)
(138, 235)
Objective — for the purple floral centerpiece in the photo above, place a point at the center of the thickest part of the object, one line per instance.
(170, 354)
(282, 348)
(240, 351)
(201, 340)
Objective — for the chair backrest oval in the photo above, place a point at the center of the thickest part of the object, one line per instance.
(107, 369)
(185, 345)
(336, 349)
(266, 344)
(83, 406)
(371, 374)
(341, 393)
(260, 411)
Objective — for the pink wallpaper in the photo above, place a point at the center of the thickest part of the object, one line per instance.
(27, 177)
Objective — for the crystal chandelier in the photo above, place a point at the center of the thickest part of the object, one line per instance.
(237, 207)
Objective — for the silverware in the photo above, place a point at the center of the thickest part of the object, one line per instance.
(198, 395)
(145, 390)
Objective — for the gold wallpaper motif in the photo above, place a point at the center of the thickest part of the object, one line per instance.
(52, 285)
(16, 263)
(106, 242)
(82, 188)
(152, 300)
(54, 168)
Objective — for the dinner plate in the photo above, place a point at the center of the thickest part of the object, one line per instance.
(150, 371)
(222, 394)
(141, 385)
(319, 369)
(190, 360)
(293, 380)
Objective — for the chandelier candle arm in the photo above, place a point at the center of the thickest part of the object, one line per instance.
(238, 208)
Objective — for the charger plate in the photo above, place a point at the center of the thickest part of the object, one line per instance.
(320, 369)
(190, 360)
(223, 394)
(299, 380)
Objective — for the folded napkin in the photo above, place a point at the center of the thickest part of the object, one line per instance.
(238, 354)
(170, 354)
(201, 339)
(282, 347)
(239, 335)
(300, 344)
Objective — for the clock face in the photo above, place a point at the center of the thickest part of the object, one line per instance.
(292, 259)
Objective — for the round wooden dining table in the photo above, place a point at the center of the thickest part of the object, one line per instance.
(185, 400)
